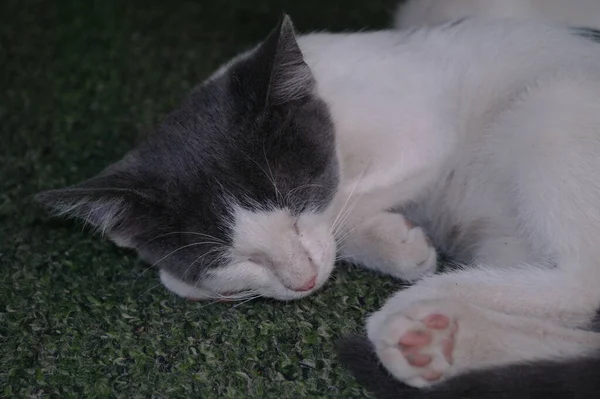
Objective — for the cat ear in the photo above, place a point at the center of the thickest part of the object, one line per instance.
(289, 76)
(104, 202)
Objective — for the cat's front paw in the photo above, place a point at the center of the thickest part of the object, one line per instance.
(417, 345)
(389, 243)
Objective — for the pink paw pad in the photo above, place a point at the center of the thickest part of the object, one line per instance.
(413, 342)
(415, 338)
(436, 321)
(432, 375)
(417, 359)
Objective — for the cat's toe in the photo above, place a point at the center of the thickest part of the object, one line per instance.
(390, 243)
(415, 256)
(417, 346)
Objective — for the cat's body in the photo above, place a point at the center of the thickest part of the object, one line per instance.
(428, 133)
(495, 152)
(413, 13)
(485, 133)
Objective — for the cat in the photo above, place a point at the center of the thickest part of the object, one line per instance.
(414, 13)
(483, 133)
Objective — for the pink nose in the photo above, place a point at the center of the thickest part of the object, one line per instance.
(308, 285)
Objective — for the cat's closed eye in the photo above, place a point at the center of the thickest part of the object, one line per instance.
(261, 260)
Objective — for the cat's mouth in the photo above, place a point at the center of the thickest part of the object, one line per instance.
(295, 283)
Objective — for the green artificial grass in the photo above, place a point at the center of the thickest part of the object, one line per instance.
(79, 82)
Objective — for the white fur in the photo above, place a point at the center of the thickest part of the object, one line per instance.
(429, 12)
(493, 124)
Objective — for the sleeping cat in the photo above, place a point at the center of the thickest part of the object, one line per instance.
(485, 134)
(413, 13)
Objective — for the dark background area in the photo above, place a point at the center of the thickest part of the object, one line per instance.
(80, 81)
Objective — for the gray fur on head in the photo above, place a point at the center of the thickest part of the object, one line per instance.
(253, 127)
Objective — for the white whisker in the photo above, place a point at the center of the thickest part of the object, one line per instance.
(240, 296)
(216, 249)
(346, 236)
(171, 253)
(184, 232)
(277, 192)
(147, 291)
(344, 217)
(206, 267)
(210, 303)
(334, 226)
(247, 300)
(287, 196)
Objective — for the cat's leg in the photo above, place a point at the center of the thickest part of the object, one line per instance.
(452, 323)
(371, 236)
(388, 243)
(432, 340)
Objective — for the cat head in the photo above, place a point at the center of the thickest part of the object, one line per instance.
(230, 196)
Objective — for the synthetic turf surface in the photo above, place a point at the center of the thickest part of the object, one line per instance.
(79, 82)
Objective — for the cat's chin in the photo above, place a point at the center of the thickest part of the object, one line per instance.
(182, 288)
